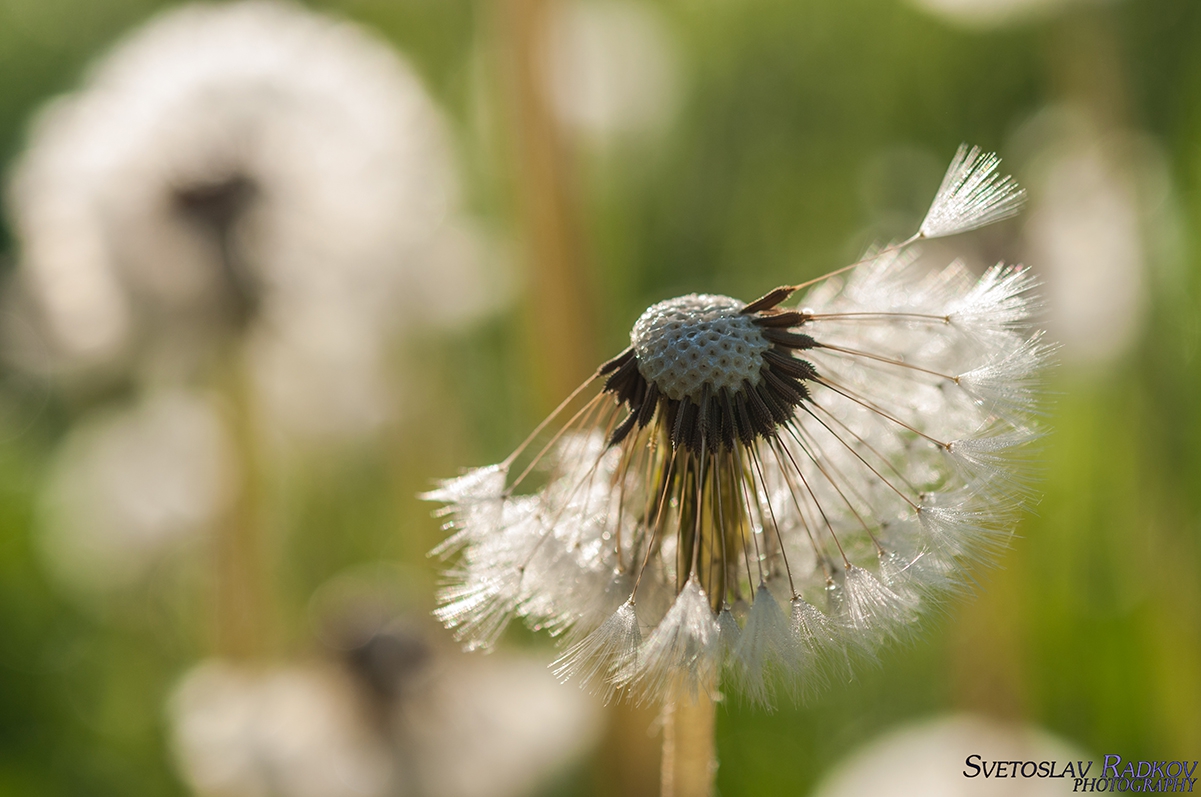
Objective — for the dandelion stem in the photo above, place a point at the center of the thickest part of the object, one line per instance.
(240, 588)
(689, 753)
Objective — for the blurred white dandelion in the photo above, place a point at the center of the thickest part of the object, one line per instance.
(126, 486)
(458, 725)
(495, 728)
(278, 731)
(928, 757)
(1090, 205)
(612, 68)
(403, 717)
(244, 171)
(990, 14)
(760, 489)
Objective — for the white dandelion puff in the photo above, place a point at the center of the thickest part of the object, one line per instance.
(1001, 460)
(852, 455)
(1000, 301)
(474, 504)
(1009, 384)
(247, 172)
(478, 485)
(967, 529)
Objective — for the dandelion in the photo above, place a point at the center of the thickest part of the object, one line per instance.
(290, 730)
(613, 69)
(251, 176)
(911, 758)
(765, 490)
(1087, 227)
(982, 15)
(402, 718)
(128, 486)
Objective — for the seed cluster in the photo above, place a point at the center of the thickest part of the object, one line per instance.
(717, 370)
(685, 343)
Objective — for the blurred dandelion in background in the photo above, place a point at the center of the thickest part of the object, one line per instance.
(248, 200)
(458, 725)
(390, 710)
(249, 171)
(761, 489)
(130, 484)
(1094, 196)
(612, 68)
(290, 731)
(493, 728)
(928, 757)
(987, 14)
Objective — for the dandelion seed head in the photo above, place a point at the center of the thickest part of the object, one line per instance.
(911, 759)
(251, 176)
(130, 486)
(686, 343)
(851, 455)
(291, 730)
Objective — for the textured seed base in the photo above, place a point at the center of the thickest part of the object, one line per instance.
(684, 343)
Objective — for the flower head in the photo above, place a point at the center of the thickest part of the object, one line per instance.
(763, 488)
(129, 485)
(291, 730)
(255, 173)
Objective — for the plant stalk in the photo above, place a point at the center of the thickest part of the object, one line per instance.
(689, 750)
(560, 323)
(242, 623)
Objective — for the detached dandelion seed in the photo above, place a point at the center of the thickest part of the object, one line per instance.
(765, 490)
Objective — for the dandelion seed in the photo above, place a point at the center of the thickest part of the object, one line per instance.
(597, 658)
(972, 195)
(764, 646)
(850, 456)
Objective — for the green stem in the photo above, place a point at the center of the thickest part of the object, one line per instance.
(240, 600)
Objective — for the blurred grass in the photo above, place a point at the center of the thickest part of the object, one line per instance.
(1092, 625)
